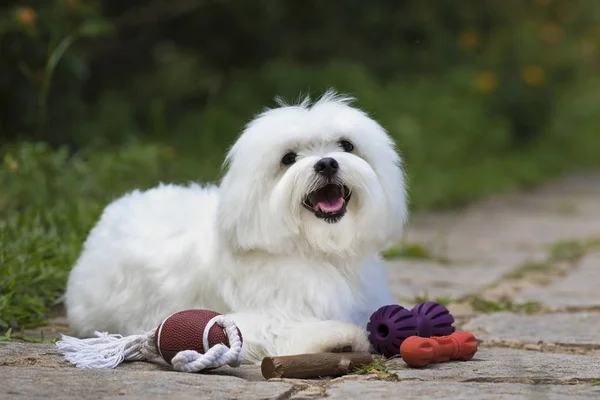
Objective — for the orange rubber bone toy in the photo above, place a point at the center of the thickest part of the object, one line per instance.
(418, 352)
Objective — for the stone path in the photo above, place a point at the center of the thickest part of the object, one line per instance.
(522, 272)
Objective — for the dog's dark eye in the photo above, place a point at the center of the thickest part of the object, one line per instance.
(289, 159)
(347, 146)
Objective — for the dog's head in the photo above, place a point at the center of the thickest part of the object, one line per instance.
(320, 178)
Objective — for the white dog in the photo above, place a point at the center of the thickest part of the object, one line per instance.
(288, 245)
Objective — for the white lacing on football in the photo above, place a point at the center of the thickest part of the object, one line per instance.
(216, 356)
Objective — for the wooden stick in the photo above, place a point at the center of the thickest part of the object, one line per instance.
(308, 366)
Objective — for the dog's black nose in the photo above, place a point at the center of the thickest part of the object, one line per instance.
(327, 167)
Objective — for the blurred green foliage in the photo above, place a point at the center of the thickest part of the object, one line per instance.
(482, 97)
(99, 97)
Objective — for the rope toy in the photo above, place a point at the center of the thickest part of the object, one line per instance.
(190, 340)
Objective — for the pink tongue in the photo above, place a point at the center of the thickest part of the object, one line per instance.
(328, 206)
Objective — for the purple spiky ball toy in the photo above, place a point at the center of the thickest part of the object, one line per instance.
(389, 326)
(433, 319)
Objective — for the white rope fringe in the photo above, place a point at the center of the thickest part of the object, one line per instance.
(110, 350)
(107, 350)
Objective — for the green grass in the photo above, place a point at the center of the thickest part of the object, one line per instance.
(442, 300)
(413, 251)
(377, 367)
(9, 336)
(481, 304)
(596, 382)
(527, 268)
(570, 250)
(573, 249)
(567, 208)
(48, 203)
(408, 250)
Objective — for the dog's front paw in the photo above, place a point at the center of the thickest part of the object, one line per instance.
(325, 336)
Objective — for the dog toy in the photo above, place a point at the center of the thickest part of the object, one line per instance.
(390, 325)
(190, 340)
(419, 352)
(433, 319)
(309, 366)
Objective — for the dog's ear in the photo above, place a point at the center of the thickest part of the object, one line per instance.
(238, 218)
(393, 180)
(385, 159)
(244, 218)
(394, 184)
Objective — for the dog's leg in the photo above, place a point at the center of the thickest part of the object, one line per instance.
(257, 335)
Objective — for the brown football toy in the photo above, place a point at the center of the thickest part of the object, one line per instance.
(190, 340)
(189, 330)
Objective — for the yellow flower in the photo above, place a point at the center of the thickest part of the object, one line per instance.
(26, 15)
(533, 75)
(588, 49)
(552, 33)
(486, 81)
(169, 152)
(468, 40)
(11, 163)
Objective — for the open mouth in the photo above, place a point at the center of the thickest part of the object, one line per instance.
(329, 202)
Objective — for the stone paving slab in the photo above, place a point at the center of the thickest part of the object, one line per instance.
(410, 278)
(501, 364)
(491, 237)
(581, 328)
(45, 355)
(523, 222)
(488, 364)
(74, 383)
(581, 288)
(459, 391)
(54, 328)
(39, 383)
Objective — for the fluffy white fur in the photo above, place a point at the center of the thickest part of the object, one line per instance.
(293, 283)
